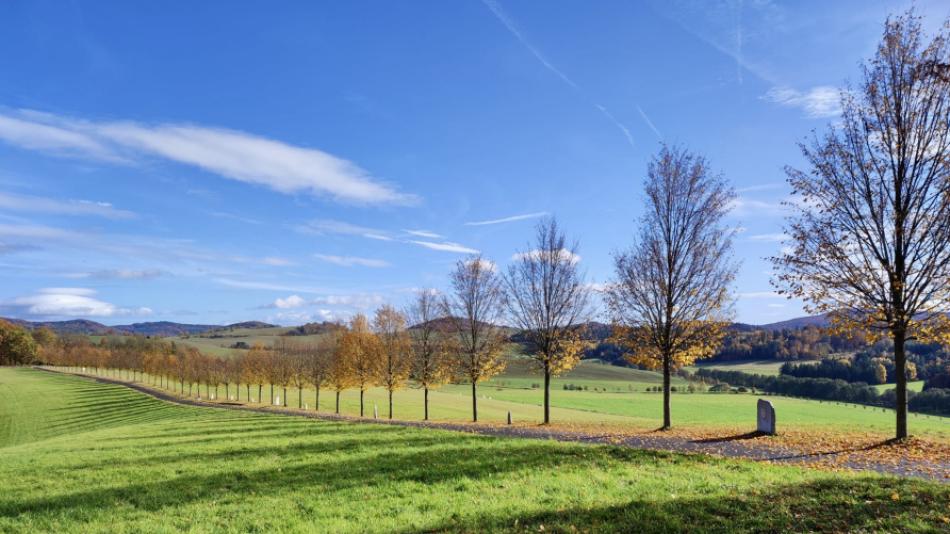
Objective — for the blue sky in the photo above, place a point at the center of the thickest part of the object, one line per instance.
(222, 161)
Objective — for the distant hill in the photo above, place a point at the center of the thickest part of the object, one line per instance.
(314, 329)
(249, 324)
(155, 328)
(164, 329)
(796, 323)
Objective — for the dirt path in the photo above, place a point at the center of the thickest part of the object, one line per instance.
(910, 459)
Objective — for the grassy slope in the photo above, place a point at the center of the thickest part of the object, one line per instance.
(171, 469)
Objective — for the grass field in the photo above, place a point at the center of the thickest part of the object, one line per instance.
(613, 405)
(916, 385)
(760, 367)
(78, 456)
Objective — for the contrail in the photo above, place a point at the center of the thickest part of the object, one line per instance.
(508, 23)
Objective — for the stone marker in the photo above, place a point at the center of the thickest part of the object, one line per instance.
(766, 417)
(509, 418)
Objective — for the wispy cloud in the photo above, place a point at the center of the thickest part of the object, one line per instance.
(120, 274)
(231, 154)
(35, 204)
(350, 261)
(446, 246)
(424, 233)
(772, 238)
(744, 207)
(277, 262)
(818, 102)
(760, 295)
(649, 122)
(513, 28)
(68, 302)
(265, 286)
(512, 218)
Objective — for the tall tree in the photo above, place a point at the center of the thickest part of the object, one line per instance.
(670, 300)
(474, 308)
(319, 362)
(869, 239)
(361, 352)
(548, 300)
(390, 327)
(430, 365)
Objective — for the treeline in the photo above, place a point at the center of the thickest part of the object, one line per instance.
(934, 401)
(875, 367)
(19, 346)
(808, 343)
(360, 355)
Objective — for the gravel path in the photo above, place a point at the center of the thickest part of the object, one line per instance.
(739, 446)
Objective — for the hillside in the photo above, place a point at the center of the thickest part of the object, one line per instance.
(154, 328)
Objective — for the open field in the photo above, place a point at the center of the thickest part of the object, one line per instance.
(916, 385)
(82, 456)
(761, 367)
(616, 407)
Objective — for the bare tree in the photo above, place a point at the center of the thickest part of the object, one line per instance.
(430, 365)
(869, 239)
(670, 301)
(474, 308)
(548, 300)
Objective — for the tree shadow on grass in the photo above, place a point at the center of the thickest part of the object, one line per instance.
(429, 463)
(735, 437)
(830, 505)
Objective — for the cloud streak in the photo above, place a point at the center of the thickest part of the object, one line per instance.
(34, 204)
(69, 302)
(351, 261)
(818, 102)
(512, 218)
(231, 154)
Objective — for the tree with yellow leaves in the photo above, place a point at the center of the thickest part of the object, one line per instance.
(360, 351)
(474, 308)
(670, 299)
(548, 300)
(431, 364)
(395, 350)
(869, 241)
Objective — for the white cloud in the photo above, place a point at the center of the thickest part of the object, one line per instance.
(360, 301)
(512, 218)
(70, 302)
(561, 255)
(120, 274)
(486, 265)
(446, 246)
(743, 206)
(277, 262)
(349, 261)
(777, 237)
(818, 102)
(760, 295)
(329, 226)
(293, 301)
(228, 153)
(35, 204)
(424, 233)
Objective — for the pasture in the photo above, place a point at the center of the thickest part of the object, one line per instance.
(81, 456)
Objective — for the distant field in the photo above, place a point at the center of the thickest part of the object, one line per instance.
(917, 385)
(761, 367)
(80, 456)
(593, 374)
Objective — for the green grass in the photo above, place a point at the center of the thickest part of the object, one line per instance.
(916, 386)
(761, 367)
(103, 458)
(593, 374)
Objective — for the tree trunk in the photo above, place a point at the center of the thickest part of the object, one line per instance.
(338, 402)
(390, 404)
(248, 386)
(260, 393)
(316, 399)
(272, 394)
(425, 404)
(361, 403)
(299, 398)
(474, 403)
(900, 365)
(666, 392)
(547, 392)
(285, 396)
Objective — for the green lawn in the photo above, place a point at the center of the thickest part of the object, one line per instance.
(761, 367)
(77, 456)
(916, 385)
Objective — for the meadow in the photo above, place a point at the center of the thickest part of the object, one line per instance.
(81, 456)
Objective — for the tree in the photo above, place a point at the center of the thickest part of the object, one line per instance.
(361, 353)
(474, 307)
(868, 239)
(547, 300)
(430, 362)
(395, 350)
(340, 376)
(670, 299)
(319, 362)
(16, 345)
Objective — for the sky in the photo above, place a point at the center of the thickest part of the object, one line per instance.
(215, 162)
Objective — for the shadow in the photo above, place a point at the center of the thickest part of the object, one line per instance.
(831, 505)
(736, 437)
(846, 450)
